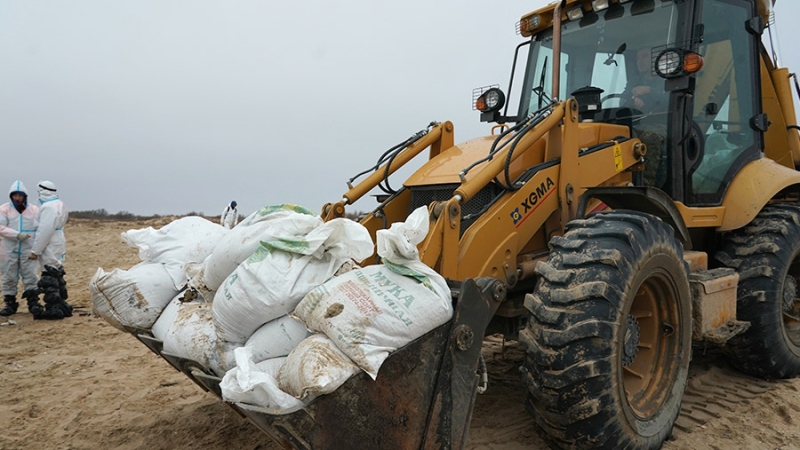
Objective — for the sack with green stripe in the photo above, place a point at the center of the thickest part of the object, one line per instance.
(370, 312)
(280, 272)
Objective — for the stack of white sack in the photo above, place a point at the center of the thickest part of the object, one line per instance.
(136, 297)
(370, 312)
(365, 314)
(251, 308)
(267, 224)
(281, 271)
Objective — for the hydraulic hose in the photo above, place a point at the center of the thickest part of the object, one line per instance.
(531, 121)
(392, 152)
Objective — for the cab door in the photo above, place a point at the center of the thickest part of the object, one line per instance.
(726, 122)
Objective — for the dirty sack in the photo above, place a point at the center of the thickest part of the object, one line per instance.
(271, 282)
(256, 384)
(191, 335)
(133, 297)
(315, 367)
(370, 312)
(187, 330)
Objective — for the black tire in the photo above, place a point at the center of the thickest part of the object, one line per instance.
(766, 254)
(611, 277)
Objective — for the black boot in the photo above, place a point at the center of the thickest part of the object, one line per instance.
(32, 296)
(51, 312)
(62, 292)
(62, 285)
(49, 284)
(11, 305)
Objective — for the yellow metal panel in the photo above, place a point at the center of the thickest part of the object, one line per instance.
(752, 188)
(569, 161)
(776, 139)
(444, 169)
(783, 91)
(701, 217)
(486, 246)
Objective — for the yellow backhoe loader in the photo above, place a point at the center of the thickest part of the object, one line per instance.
(641, 199)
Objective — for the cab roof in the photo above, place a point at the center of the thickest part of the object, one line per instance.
(542, 18)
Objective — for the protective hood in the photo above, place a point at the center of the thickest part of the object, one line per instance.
(47, 191)
(18, 186)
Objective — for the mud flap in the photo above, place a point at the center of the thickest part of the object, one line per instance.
(422, 398)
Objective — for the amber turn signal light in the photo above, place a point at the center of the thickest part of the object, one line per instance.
(692, 62)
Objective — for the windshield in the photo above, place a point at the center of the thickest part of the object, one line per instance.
(611, 50)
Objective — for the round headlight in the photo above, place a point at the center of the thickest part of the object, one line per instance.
(669, 63)
(491, 100)
(494, 99)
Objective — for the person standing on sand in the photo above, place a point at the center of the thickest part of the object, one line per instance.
(50, 248)
(230, 216)
(17, 226)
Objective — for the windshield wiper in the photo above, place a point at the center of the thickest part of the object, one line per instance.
(539, 90)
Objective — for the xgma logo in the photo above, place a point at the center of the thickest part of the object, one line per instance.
(531, 202)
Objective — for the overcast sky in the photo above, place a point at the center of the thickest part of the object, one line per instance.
(170, 107)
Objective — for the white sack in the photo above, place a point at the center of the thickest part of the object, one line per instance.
(272, 281)
(180, 241)
(133, 297)
(371, 312)
(276, 338)
(101, 306)
(187, 330)
(314, 368)
(267, 224)
(191, 335)
(167, 317)
(255, 384)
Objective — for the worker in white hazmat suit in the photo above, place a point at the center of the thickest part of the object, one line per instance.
(230, 216)
(50, 248)
(17, 228)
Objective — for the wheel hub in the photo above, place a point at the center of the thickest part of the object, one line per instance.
(631, 343)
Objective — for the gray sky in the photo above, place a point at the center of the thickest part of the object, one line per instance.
(167, 107)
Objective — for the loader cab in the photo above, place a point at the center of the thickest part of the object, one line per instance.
(702, 125)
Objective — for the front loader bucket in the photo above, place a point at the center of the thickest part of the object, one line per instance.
(422, 398)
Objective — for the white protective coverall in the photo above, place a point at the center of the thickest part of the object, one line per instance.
(230, 216)
(50, 245)
(15, 246)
